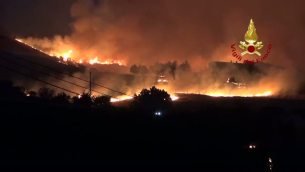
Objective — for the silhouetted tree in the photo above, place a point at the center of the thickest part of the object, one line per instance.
(102, 101)
(134, 69)
(140, 69)
(46, 93)
(8, 91)
(167, 68)
(185, 66)
(173, 67)
(62, 98)
(143, 69)
(75, 99)
(84, 100)
(153, 99)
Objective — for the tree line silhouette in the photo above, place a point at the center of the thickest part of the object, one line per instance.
(148, 99)
(169, 68)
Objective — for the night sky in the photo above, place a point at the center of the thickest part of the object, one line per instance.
(35, 17)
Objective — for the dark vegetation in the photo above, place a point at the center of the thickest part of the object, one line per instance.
(48, 131)
(45, 95)
(152, 100)
(170, 68)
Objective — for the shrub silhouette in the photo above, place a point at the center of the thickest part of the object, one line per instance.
(85, 100)
(153, 99)
(102, 101)
(46, 93)
(62, 98)
(8, 91)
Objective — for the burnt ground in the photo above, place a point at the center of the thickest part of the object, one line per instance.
(198, 133)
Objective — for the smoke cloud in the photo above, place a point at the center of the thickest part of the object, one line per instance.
(157, 30)
(146, 32)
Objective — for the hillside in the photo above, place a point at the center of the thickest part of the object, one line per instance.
(15, 50)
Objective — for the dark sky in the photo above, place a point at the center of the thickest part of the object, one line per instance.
(35, 17)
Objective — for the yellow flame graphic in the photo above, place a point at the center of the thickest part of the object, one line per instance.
(251, 35)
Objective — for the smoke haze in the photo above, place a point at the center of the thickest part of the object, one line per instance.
(150, 31)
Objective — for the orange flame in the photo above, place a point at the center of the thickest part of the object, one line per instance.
(70, 55)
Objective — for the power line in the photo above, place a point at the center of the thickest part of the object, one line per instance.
(56, 77)
(53, 85)
(56, 71)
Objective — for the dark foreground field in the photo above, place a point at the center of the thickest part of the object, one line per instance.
(198, 134)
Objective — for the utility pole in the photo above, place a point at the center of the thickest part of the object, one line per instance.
(90, 84)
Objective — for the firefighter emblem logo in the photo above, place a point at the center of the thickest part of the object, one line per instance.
(251, 44)
(251, 47)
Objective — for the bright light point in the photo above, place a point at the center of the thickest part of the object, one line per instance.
(67, 55)
(270, 163)
(252, 146)
(174, 98)
(158, 113)
(79, 96)
(19, 40)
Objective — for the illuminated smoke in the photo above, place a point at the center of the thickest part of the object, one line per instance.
(146, 32)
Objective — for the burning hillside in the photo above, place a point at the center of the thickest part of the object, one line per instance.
(202, 85)
(66, 52)
(156, 32)
(212, 81)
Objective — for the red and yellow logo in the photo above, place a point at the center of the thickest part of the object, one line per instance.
(250, 48)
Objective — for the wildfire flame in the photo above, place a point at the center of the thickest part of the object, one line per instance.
(235, 93)
(246, 94)
(67, 55)
(106, 62)
(70, 55)
(120, 98)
